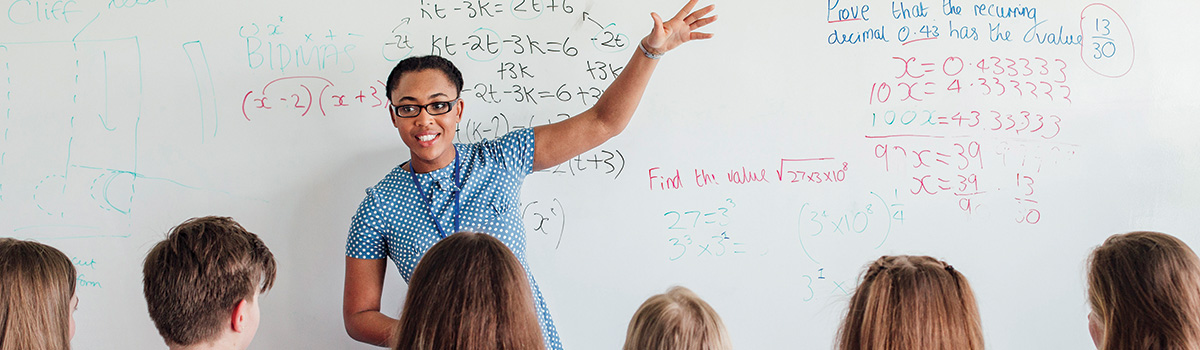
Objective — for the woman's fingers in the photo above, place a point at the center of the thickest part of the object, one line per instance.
(702, 22)
(671, 33)
(698, 35)
(699, 14)
(686, 9)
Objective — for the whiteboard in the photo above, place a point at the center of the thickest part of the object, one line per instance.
(763, 169)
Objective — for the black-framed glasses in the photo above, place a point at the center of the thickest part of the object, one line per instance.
(435, 108)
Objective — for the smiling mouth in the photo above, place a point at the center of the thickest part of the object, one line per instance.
(427, 137)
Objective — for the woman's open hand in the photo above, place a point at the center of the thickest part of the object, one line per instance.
(679, 29)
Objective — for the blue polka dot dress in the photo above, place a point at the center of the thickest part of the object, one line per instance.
(394, 220)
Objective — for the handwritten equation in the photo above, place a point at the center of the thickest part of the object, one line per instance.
(300, 96)
(956, 168)
(1007, 123)
(705, 232)
(825, 229)
(816, 284)
(597, 161)
(789, 170)
(1032, 78)
(982, 131)
(519, 9)
(872, 219)
(545, 217)
(485, 44)
(518, 93)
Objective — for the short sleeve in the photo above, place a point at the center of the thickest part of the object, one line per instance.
(366, 240)
(516, 149)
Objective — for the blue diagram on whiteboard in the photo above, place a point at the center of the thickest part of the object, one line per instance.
(68, 157)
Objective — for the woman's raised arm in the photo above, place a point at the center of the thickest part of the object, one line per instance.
(558, 142)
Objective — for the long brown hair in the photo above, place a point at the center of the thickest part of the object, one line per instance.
(36, 286)
(676, 320)
(911, 303)
(469, 292)
(1145, 288)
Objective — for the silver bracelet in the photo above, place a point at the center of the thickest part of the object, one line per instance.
(647, 52)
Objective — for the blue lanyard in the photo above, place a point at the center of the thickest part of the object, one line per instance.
(457, 198)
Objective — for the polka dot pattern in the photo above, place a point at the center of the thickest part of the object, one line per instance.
(393, 220)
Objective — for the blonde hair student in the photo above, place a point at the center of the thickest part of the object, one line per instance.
(469, 292)
(676, 320)
(1144, 290)
(37, 297)
(911, 302)
(202, 284)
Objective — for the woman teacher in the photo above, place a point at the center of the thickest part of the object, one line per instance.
(445, 187)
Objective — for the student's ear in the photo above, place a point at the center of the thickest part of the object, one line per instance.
(1096, 328)
(241, 314)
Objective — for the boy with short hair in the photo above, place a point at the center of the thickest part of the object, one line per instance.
(203, 281)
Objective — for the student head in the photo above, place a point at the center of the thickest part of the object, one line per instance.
(676, 320)
(469, 292)
(203, 281)
(37, 297)
(1144, 289)
(911, 302)
(426, 105)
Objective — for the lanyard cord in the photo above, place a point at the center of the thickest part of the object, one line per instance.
(457, 198)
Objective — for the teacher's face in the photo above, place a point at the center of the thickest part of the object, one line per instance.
(429, 137)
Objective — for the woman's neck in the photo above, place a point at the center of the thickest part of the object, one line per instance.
(421, 166)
